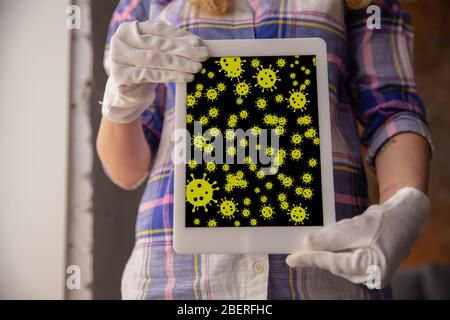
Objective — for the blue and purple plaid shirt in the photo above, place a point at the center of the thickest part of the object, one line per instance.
(370, 80)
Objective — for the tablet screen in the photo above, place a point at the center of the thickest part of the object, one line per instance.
(253, 148)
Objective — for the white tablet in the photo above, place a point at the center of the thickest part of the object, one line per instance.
(252, 154)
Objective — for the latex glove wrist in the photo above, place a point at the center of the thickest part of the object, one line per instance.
(142, 55)
(376, 241)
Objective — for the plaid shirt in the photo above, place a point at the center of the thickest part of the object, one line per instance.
(370, 80)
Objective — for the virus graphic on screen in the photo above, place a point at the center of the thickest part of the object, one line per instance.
(238, 176)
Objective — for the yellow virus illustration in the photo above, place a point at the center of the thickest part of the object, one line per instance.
(221, 86)
(281, 197)
(230, 134)
(263, 199)
(227, 208)
(307, 71)
(204, 120)
(304, 120)
(196, 221)
(282, 152)
(203, 71)
(267, 212)
(243, 114)
(198, 94)
(199, 141)
(228, 188)
(291, 65)
(295, 83)
(211, 75)
(307, 82)
(255, 130)
(199, 87)
(257, 190)
(192, 164)
(316, 141)
(269, 151)
(287, 182)
(242, 89)
(261, 103)
(296, 56)
(225, 167)
(307, 193)
(299, 191)
(314, 61)
(310, 133)
(297, 100)
(279, 98)
(281, 62)
(296, 138)
(247, 201)
(307, 178)
(211, 94)
(232, 121)
(243, 143)
(284, 205)
(255, 63)
(278, 160)
(280, 130)
(232, 66)
(237, 223)
(292, 75)
(296, 154)
(253, 222)
(208, 148)
(302, 87)
(267, 78)
(189, 118)
(312, 162)
(303, 68)
(214, 131)
(239, 174)
(212, 223)
(260, 174)
(190, 100)
(239, 101)
(231, 151)
(252, 167)
(298, 214)
(199, 192)
(269, 185)
(282, 121)
(213, 112)
(273, 170)
(270, 120)
(296, 62)
(211, 166)
(245, 213)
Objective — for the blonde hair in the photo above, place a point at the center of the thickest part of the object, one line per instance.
(219, 7)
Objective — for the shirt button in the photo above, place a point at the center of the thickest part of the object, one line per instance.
(258, 267)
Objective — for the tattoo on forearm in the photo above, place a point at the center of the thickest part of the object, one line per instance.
(389, 143)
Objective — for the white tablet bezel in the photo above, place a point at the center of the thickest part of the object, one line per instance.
(283, 239)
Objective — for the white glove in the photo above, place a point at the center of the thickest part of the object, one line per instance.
(382, 237)
(142, 55)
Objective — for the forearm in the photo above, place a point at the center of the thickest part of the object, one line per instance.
(403, 160)
(124, 151)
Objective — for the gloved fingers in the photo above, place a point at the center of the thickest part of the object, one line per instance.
(127, 75)
(349, 265)
(175, 47)
(162, 29)
(125, 47)
(346, 234)
(156, 59)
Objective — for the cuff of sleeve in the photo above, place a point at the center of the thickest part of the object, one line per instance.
(400, 123)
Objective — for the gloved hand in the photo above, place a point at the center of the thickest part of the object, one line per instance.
(381, 236)
(142, 55)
